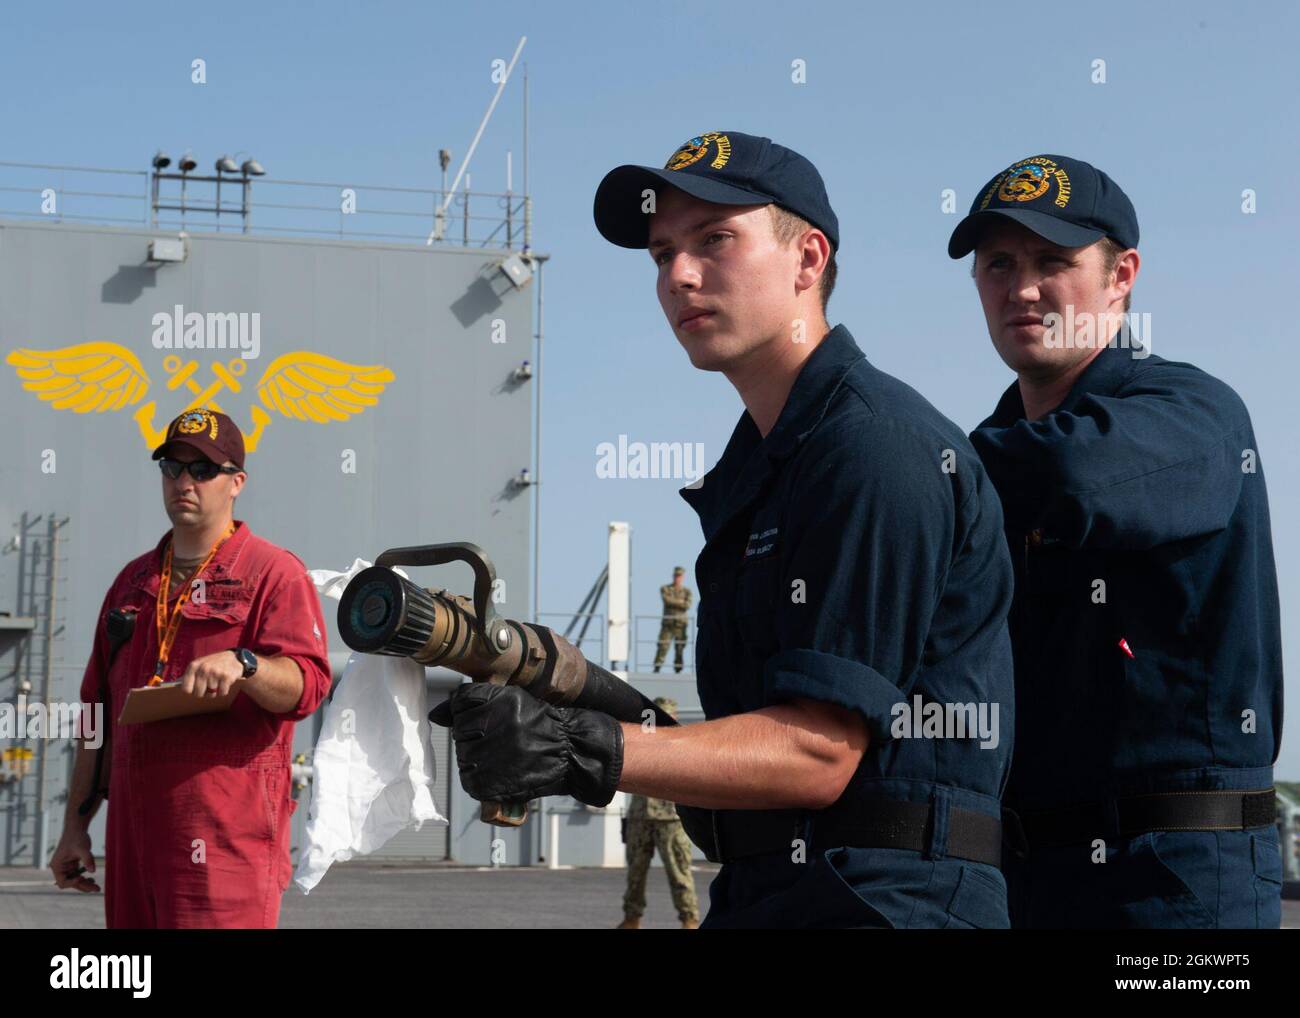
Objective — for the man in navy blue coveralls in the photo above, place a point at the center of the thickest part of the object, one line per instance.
(854, 565)
(853, 659)
(1146, 620)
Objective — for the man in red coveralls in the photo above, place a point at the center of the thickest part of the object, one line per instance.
(198, 827)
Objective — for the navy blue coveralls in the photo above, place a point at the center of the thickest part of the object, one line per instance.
(1136, 512)
(855, 556)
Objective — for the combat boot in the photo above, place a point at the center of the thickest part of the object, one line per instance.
(631, 922)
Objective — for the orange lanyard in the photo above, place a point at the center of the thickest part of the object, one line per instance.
(168, 627)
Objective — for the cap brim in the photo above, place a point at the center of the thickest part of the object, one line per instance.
(619, 198)
(161, 451)
(966, 236)
(206, 449)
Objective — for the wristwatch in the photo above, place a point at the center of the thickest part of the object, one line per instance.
(246, 658)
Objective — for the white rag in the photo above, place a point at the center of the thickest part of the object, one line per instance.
(373, 766)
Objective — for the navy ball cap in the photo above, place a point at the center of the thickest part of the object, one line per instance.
(723, 167)
(1064, 200)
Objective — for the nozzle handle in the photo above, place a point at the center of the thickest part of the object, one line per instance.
(494, 631)
(503, 814)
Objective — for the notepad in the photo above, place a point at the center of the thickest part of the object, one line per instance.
(169, 700)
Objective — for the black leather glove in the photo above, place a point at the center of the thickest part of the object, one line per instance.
(512, 747)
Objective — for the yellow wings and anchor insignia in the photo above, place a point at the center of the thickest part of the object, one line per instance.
(94, 377)
(86, 378)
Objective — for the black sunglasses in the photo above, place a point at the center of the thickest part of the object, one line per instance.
(200, 470)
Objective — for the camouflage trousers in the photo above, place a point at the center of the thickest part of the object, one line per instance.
(675, 633)
(643, 837)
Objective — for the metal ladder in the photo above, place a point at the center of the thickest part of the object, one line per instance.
(28, 801)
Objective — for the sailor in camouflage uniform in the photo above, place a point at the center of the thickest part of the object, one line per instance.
(677, 607)
(653, 823)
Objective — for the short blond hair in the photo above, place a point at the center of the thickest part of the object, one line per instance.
(787, 227)
(1111, 249)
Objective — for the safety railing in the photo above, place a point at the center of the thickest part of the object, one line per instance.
(263, 205)
(646, 634)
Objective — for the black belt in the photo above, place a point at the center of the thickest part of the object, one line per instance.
(728, 835)
(1142, 814)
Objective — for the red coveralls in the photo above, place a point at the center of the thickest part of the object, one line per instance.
(198, 810)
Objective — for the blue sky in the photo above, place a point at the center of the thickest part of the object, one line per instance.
(899, 104)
